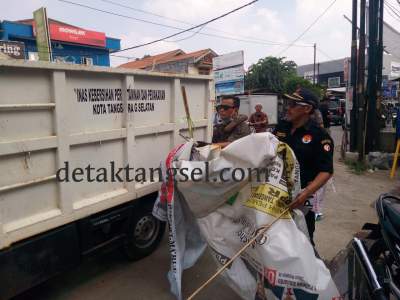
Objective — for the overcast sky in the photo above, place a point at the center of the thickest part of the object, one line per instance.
(276, 21)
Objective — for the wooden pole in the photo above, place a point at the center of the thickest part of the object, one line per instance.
(186, 104)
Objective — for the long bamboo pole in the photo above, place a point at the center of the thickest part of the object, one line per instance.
(263, 228)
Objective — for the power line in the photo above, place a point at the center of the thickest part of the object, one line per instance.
(60, 52)
(186, 38)
(324, 54)
(330, 57)
(145, 12)
(191, 28)
(123, 56)
(393, 5)
(120, 15)
(391, 14)
(174, 27)
(178, 28)
(308, 28)
(391, 9)
(183, 22)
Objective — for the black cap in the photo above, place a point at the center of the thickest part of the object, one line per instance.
(304, 96)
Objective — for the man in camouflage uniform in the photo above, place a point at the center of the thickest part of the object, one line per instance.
(232, 126)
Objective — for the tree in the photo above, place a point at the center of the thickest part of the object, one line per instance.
(270, 73)
(293, 82)
(276, 75)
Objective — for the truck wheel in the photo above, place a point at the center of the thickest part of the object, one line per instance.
(145, 232)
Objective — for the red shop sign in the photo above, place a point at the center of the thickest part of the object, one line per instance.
(77, 35)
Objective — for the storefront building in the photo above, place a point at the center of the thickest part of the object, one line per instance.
(69, 44)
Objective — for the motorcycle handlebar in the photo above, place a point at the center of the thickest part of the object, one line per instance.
(368, 270)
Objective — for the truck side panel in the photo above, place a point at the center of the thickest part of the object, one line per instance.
(88, 117)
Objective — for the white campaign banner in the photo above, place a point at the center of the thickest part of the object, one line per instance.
(228, 60)
(225, 215)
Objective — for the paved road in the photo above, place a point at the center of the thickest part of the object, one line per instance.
(336, 134)
(113, 277)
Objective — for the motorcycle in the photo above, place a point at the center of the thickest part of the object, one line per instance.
(378, 256)
(382, 120)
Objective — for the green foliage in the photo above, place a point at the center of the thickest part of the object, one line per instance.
(356, 166)
(276, 75)
(292, 82)
(269, 73)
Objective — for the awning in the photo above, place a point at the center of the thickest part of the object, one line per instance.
(339, 89)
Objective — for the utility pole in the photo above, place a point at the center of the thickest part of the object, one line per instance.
(372, 88)
(353, 79)
(380, 47)
(360, 86)
(315, 59)
(379, 69)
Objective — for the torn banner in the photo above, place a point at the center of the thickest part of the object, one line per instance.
(225, 215)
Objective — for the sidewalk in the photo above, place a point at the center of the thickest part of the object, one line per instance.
(350, 207)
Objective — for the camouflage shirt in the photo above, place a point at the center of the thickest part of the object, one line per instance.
(231, 130)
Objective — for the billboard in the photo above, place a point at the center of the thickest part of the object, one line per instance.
(333, 82)
(389, 88)
(42, 34)
(394, 69)
(59, 32)
(309, 75)
(229, 88)
(228, 60)
(229, 73)
(12, 49)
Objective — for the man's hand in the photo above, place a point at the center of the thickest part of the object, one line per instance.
(222, 144)
(300, 199)
(311, 188)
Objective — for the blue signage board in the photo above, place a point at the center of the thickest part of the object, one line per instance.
(389, 89)
(229, 87)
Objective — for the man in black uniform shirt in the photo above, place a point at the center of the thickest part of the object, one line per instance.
(324, 109)
(312, 146)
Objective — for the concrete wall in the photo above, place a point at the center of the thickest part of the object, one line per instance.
(192, 69)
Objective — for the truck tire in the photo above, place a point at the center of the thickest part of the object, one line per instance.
(145, 232)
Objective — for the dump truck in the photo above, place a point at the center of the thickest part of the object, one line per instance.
(66, 132)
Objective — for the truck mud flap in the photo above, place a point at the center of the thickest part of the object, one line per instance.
(37, 259)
